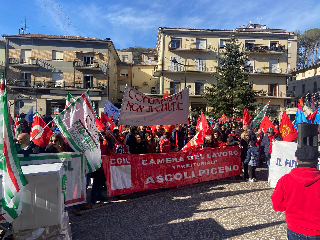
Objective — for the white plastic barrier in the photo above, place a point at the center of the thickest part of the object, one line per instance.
(42, 198)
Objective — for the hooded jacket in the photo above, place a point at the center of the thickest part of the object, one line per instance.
(298, 195)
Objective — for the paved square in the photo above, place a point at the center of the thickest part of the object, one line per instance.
(219, 209)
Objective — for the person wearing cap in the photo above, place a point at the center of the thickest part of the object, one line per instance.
(266, 144)
(298, 195)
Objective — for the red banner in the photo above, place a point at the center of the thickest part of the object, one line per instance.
(127, 173)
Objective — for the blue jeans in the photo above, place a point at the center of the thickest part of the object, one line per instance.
(296, 236)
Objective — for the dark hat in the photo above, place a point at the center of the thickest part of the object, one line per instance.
(307, 154)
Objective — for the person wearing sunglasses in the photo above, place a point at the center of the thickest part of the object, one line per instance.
(27, 147)
(57, 144)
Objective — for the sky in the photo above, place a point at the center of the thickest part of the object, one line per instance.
(135, 23)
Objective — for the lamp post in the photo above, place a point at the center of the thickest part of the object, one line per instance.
(185, 70)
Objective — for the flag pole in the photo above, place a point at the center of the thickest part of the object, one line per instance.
(41, 131)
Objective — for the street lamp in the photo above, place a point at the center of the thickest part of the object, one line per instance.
(185, 70)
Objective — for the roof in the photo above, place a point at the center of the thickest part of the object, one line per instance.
(44, 36)
(245, 29)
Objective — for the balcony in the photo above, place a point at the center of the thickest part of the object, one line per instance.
(266, 71)
(86, 66)
(274, 49)
(23, 62)
(195, 50)
(54, 85)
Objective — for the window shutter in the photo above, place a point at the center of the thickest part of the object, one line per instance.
(197, 64)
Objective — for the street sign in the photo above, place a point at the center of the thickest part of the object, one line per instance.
(19, 104)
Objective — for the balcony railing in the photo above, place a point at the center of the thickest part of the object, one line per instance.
(54, 84)
(274, 48)
(23, 61)
(86, 65)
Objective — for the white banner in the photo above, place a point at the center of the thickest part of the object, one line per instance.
(138, 109)
(78, 126)
(73, 165)
(282, 160)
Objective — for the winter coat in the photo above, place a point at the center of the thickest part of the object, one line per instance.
(252, 157)
(297, 194)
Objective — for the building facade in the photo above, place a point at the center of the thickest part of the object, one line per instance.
(2, 56)
(42, 69)
(305, 80)
(189, 57)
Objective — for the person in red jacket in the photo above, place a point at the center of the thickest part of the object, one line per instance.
(165, 144)
(298, 195)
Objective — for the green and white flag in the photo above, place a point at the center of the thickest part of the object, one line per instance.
(78, 126)
(70, 99)
(260, 116)
(11, 174)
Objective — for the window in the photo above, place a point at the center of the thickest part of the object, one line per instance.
(294, 88)
(274, 44)
(273, 66)
(201, 43)
(122, 88)
(87, 60)
(87, 81)
(174, 87)
(303, 88)
(175, 63)
(289, 44)
(289, 55)
(273, 90)
(223, 42)
(200, 64)
(25, 79)
(249, 45)
(57, 79)
(175, 42)
(25, 55)
(57, 55)
(124, 72)
(125, 58)
(249, 66)
(315, 87)
(199, 88)
(288, 66)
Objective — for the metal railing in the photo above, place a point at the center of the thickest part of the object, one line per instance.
(274, 48)
(55, 84)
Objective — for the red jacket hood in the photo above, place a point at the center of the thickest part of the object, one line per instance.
(307, 176)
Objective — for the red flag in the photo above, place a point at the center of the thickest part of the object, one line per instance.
(38, 125)
(223, 118)
(204, 123)
(121, 128)
(265, 124)
(100, 126)
(287, 130)
(166, 95)
(299, 107)
(246, 117)
(105, 119)
(198, 139)
(312, 116)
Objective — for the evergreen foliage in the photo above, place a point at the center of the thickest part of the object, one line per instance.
(232, 93)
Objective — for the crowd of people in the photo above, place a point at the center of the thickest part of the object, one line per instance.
(255, 146)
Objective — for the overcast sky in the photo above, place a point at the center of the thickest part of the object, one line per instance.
(135, 23)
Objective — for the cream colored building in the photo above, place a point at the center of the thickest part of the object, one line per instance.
(42, 69)
(305, 80)
(189, 57)
(143, 79)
